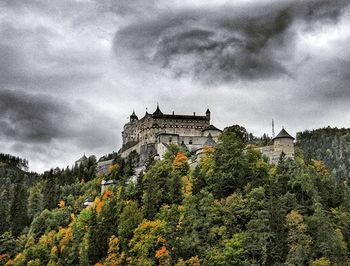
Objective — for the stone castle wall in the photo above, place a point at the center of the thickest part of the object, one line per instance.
(274, 151)
(146, 129)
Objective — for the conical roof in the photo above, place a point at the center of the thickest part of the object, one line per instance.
(283, 135)
(158, 111)
(133, 115)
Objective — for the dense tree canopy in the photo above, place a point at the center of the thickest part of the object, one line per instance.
(230, 208)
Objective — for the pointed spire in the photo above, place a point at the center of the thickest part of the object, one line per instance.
(158, 111)
(133, 116)
(207, 114)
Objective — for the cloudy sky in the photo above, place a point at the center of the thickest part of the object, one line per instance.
(71, 71)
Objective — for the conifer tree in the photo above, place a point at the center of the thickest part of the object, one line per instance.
(18, 211)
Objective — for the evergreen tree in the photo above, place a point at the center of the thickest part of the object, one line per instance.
(18, 211)
(50, 190)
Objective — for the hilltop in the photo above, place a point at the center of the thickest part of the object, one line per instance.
(233, 208)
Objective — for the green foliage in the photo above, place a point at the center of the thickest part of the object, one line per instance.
(49, 220)
(18, 211)
(129, 219)
(330, 145)
(233, 208)
(162, 185)
(9, 160)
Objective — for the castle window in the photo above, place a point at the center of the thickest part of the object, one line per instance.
(170, 139)
(190, 142)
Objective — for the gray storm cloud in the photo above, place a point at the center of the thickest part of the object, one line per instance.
(226, 43)
(71, 71)
(32, 117)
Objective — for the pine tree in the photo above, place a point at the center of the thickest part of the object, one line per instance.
(18, 210)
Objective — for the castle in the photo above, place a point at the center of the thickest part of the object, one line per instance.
(152, 134)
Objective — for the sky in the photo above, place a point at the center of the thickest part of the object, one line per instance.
(72, 71)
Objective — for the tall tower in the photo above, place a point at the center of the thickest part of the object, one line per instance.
(273, 128)
(133, 117)
(207, 114)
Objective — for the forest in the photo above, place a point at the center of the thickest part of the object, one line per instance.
(232, 208)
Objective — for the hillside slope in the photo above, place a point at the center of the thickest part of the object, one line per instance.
(331, 145)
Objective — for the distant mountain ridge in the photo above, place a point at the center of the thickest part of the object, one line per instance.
(330, 145)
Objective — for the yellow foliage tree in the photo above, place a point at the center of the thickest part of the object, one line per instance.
(320, 167)
(148, 238)
(194, 261)
(186, 186)
(61, 204)
(114, 258)
(65, 235)
(114, 168)
(298, 241)
(321, 262)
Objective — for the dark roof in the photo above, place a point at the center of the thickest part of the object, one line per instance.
(133, 115)
(210, 142)
(157, 112)
(283, 135)
(211, 127)
(184, 117)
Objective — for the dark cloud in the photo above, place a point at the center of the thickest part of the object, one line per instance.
(30, 117)
(63, 91)
(224, 44)
(42, 125)
(42, 118)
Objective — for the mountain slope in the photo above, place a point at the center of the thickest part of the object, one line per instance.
(330, 145)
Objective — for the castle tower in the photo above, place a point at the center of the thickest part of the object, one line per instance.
(207, 114)
(133, 117)
(283, 142)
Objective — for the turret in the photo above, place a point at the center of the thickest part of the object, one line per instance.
(207, 114)
(133, 117)
(284, 142)
(158, 112)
